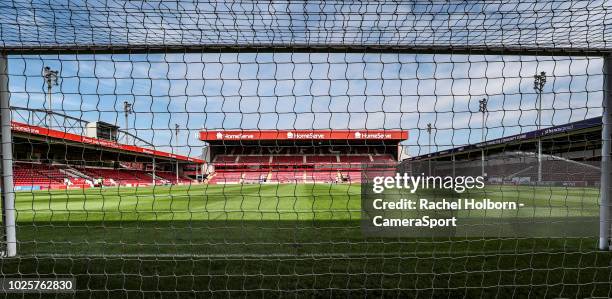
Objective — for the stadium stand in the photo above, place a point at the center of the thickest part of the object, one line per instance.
(290, 157)
(171, 177)
(288, 160)
(356, 159)
(255, 176)
(321, 159)
(253, 159)
(571, 155)
(382, 158)
(222, 177)
(51, 159)
(27, 174)
(55, 176)
(121, 177)
(225, 159)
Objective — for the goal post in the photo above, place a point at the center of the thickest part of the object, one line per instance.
(605, 226)
(6, 153)
(265, 149)
(8, 195)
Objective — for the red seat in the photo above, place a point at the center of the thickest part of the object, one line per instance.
(321, 159)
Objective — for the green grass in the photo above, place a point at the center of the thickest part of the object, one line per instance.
(300, 202)
(187, 203)
(242, 219)
(292, 239)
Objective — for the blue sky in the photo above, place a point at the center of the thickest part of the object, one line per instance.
(313, 91)
(318, 90)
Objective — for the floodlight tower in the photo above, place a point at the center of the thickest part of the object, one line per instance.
(127, 110)
(483, 109)
(539, 80)
(176, 132)
(429, 128)
(51, 77)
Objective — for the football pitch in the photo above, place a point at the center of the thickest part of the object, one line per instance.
(228, 240)
(249, 219)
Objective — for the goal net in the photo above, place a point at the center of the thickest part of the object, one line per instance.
(237, 148)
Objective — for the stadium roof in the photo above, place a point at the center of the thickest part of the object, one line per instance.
(55, 134)
(256, 135)
(551, 132)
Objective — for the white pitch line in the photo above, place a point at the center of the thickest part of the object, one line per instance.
(279, 255)
(220, 255)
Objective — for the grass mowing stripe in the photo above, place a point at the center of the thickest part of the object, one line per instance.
(243, 219)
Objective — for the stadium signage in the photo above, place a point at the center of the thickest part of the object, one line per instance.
(25, 128)
(377, 135)
(501, 140)
(298, 135)
(558, 129)
(233, 136)
(304, 135)
(21, 127)
(583, 124)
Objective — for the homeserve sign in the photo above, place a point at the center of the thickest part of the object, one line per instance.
(378, 135)
(234, 136)
(26, 129)
(296, 135)
(357, 135)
